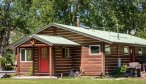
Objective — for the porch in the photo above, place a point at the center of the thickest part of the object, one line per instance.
(43, 56)
(124, 54)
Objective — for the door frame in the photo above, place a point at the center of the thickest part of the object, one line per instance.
(132, 53)
(40, 58)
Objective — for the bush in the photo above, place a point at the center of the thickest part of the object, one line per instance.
(7, 61)
(121, 71)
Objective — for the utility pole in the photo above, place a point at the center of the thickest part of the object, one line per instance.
(117, 26)
(118, 37)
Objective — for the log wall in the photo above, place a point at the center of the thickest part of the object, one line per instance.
(26, 68)
(140, 58)
(81, 39)
(93, 65)
(111, 60)
(63, 65)
(76, 58)
(80, 57)
(36, 60)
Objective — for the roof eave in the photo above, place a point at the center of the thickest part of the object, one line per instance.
(134, 44)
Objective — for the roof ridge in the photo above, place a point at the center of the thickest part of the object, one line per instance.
(91, 29)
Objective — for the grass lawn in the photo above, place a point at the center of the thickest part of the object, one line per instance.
(71, 81)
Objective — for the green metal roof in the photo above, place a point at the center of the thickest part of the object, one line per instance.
(54, 40)
(50, 40)
(106, 36)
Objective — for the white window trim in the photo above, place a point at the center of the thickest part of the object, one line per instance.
(141, 51)
(110, 50)
(90, 49)
(25, 55)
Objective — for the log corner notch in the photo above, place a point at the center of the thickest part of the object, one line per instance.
(18, 61)
(103, 58)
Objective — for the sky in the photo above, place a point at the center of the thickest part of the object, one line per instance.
(1, 1)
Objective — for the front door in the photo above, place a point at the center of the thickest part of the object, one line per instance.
(44, 61)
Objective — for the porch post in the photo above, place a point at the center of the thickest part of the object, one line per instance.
(33, 67)
(18, 61)
(50, 60)
(103, 58)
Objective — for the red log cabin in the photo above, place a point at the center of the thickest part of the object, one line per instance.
(57, 48)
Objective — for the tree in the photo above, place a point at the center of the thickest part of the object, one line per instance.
(20, 17)
(12, 20)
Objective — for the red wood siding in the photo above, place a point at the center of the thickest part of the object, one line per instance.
(91, 64)
(26, 68)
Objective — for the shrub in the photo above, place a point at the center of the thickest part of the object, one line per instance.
(7, 61)
(121, 71)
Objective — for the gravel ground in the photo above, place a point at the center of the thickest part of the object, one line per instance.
(1, 74)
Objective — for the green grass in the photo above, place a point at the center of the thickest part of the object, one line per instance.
(71, 81)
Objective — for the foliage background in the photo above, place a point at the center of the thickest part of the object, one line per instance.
(19, 18)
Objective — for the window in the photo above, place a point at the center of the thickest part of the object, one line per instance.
(94, 49)
(126, 50)
(140, 52)
(107, 49)
(44, 53)
(22, 54)
(25, 54)
(66, 53)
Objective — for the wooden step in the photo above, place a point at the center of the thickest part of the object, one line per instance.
(41, 74)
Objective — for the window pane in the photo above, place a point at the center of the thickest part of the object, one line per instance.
(66, 52)
(126, 50)
(63, 52)
(140, 51)
(22, 54)
(107, 49)
(29, 54)
(44, 53)
(94, 49)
